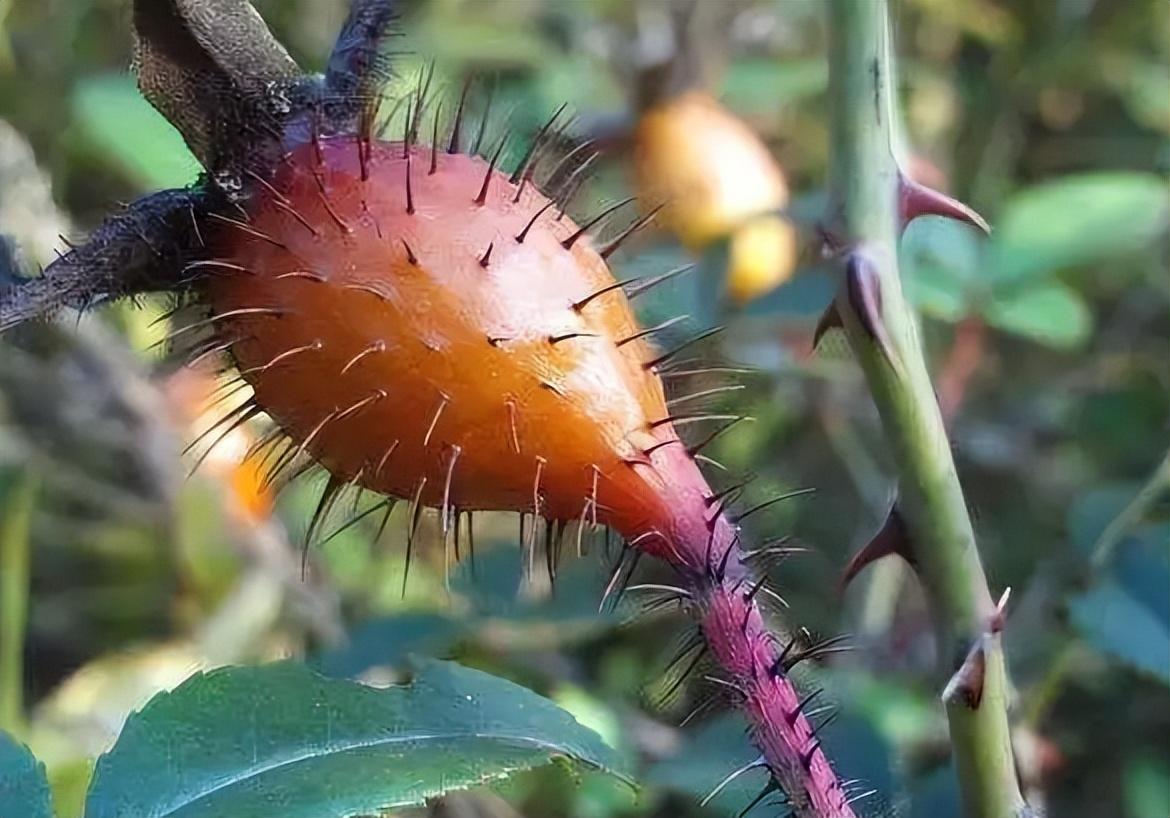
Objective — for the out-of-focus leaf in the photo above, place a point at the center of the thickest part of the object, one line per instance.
(1090, 514)
(1119, 625)
(936, 293)
(597, 795)
(717, 749)
(1048, 312)
(1127, 614)
(1142, 563)
(897, 711)
(936, 795)
(1077, 220)
(83, 715)
(119, 123)
(251, 742)
(24, 790)
(1147, 788)
(481, 43)
(682, 295)
(763, 85)
(388, 641)
(711, 753)
(495, 612)
(1147, 93)
(803, 296)
(940, 261)
(503, 615)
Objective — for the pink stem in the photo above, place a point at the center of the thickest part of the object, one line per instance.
(704, 548)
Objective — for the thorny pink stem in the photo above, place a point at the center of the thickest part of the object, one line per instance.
(704, 547)
(741, 644)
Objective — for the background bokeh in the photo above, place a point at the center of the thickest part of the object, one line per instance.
(1049, 342)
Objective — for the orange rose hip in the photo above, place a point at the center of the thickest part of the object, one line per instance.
(424, 327)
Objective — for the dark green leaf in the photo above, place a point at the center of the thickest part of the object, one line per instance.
(805, 296)
(763, 85)
(1118, 624)
(711, 753)
(1048, 312)
(718, 748)
(1092, 512)
(388, 641)
(254, 742)
(940, 261)
(936, 795)
(1075, 221)
(500, 612)
(1147, 787)
(24, 790)
(1127, 614)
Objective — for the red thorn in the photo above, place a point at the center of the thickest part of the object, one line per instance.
(916, 200)
(891, 538)
(863, 289)
(966, 686)
(830, 320)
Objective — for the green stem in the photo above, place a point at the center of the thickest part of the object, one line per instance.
(1115, 532)
(15, 519)
(1048, 689)
(864, 218)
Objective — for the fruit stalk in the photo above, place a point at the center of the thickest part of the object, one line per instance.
(866, 187)
(724, 591)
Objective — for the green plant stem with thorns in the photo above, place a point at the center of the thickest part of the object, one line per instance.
(865, 188)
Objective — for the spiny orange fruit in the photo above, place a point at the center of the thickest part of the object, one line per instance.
(718, 181)
(427, 328)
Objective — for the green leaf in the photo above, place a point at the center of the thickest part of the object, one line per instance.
(1127, 614)
(254, 742)
(1092, 511)
(803, 296)
(1147, 787)
(1118, 624)
(940, 262)
(117, 122)
(936, 795)
(481, 42)
(492, 589)
(1075, 221)
(759, 85)
(1047, 312)
(491, 608)
(718, 748)
(24, 790)
(388, 641)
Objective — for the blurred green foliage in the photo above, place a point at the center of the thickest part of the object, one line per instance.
(1048, 341)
